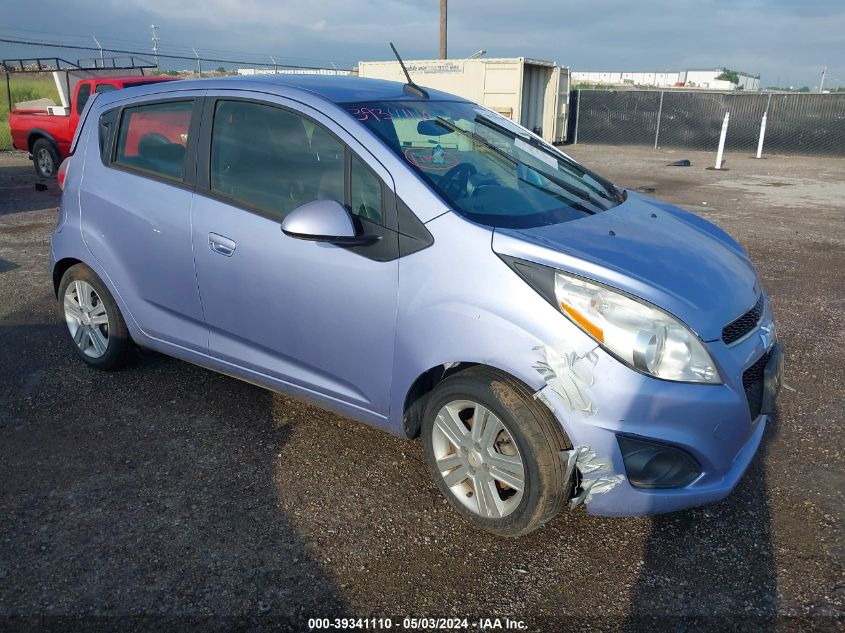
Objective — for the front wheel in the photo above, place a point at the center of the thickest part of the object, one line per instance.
(45, 158)
(493, 451)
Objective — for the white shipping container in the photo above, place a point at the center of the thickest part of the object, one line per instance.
(531, 92)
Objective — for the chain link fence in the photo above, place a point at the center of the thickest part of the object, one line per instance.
(797, 123)
(5, 132)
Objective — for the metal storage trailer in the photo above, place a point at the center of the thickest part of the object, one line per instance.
(531, 92)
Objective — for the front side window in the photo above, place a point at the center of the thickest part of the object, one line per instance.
(484, 166)
(152, 138)
(365, 193)
(272, 159)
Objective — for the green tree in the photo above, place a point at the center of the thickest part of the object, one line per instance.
(729, 75)
(220, 69)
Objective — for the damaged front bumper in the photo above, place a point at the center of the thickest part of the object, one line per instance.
(605, 490)
(598, 401)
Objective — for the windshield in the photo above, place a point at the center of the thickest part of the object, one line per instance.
(484, 166)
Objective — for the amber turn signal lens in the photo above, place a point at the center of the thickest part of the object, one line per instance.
(581, 320)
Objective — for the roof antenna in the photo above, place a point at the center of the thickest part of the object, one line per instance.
(410, 88)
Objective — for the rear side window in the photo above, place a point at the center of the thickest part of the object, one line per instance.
(105, 88)
(106, 134)
(82, 97)
(152, 138)
(273, 160)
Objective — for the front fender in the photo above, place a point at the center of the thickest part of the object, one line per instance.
(460, 303)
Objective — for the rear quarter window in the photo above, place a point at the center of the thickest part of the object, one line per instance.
(152, 138)
(106, 133)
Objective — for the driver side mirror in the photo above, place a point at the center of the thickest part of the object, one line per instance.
(324, 221)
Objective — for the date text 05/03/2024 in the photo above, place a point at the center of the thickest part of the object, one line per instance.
(411, 624)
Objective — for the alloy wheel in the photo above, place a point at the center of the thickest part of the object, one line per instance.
(86, 318)
(478, 459)
(45, 162)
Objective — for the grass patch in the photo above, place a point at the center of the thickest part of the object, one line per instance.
(24, 88)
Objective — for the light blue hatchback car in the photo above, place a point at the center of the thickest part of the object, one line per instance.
(418, 262)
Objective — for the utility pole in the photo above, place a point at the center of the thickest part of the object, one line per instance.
(443, 11)
(154, 31)
(821, 83)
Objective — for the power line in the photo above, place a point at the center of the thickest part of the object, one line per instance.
(145, 53)
(174, 49)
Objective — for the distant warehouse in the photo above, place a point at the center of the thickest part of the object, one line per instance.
(531, 92)
(702, 78)
(294, 71)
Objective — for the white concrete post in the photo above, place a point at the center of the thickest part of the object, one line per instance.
(722, 137)
(762, 134)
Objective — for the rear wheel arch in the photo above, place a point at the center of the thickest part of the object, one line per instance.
(59, 270)
(35, 135)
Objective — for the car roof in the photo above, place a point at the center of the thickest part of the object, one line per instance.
(335, 89)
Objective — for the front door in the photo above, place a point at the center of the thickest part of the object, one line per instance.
(310, 314)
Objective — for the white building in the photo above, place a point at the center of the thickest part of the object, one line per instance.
(702, 78)
(706, 78)
(293, 71)
(663, 79)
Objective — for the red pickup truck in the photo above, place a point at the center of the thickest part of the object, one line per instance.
(47, 133)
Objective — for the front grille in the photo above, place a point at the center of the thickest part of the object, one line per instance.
(735, 330)
(753, 381)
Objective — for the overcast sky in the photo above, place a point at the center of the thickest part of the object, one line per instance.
(785, 41)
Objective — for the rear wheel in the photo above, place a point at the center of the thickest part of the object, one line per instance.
(45, 158)
(493, 451)
(95, 326)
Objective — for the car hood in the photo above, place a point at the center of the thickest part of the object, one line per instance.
(669, 257)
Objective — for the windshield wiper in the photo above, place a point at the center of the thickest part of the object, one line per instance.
(477, 138)
(483, 120)
(618, 195)
(575, 191)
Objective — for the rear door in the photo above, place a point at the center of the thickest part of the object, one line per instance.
(312, 315)
(136, 203)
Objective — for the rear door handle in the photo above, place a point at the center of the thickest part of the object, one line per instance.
(221, 245)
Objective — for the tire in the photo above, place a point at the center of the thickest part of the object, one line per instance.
(95, 327)
(532, 436)
(45, 158)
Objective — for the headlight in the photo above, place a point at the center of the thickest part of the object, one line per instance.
(642, 336)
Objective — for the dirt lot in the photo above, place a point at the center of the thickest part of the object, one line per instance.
(166, 495)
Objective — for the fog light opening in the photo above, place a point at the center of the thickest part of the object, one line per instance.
(651, 464)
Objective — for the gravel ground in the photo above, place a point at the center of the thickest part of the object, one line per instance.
(165, 496)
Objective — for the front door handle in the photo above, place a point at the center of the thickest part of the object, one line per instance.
(221, 245)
